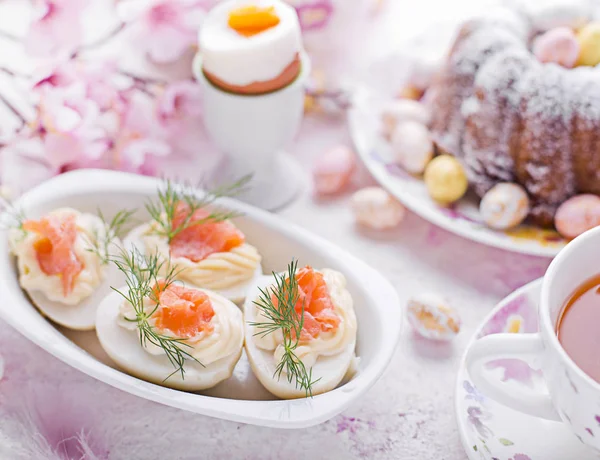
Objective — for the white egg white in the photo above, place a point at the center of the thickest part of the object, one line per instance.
(81, 317)
(68, 311)
(237, 294)
(124, 348)
(331, 370)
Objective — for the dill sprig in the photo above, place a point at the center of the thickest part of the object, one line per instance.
(282, 315)
(164, 210)
(113, 229)
(142, 275)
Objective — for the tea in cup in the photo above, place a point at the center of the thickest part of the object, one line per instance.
(565, 349)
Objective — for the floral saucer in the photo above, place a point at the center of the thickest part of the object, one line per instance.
(461, 218)
(491, 431)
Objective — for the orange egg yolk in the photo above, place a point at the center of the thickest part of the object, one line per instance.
(252, 20)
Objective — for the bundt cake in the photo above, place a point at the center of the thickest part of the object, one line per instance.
(510, 118)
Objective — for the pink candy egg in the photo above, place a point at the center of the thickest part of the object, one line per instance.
(332, 171)
(402, 110)
(412, 146)
(375, 208)
(577, 215)
(559, 45)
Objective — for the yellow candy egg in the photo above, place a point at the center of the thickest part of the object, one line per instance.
(445, 179)
(589, 42)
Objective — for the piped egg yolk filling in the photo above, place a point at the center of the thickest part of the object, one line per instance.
(252, 20)
(183, 311)
(54, 248)
(313, 295)
(202, 237)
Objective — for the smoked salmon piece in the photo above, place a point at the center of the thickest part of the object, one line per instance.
(313, 294)
(183, 311)
(199, 240)
(55, 248)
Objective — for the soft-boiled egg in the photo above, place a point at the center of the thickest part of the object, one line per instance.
(60, 270)
(327, 341)
(208, 326)
(211, 255)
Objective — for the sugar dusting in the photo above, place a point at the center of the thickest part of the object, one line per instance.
(509, 117)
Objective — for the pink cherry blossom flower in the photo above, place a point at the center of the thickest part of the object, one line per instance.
(103, 84)
(23, 164)
(180, 100)
(55, 26)
(68, 124)
(164, 29)
(59, 73)
(179, 110)
(141, 140)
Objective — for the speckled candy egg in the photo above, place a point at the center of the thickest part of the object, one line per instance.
(445, 179)
(558, 45)
(376, 208)
(504, 206)
(432, 317)
(332, 170)
(589, 42)
(402, 110)
(412, 146)
(577, 215)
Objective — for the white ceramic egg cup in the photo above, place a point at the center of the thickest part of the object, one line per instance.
(240, 398)
(252, 130)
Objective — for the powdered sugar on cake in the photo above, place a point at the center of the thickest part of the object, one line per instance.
(511, 118)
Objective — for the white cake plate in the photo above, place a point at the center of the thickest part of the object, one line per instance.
(462, 218)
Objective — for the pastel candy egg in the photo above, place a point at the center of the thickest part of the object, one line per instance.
(589, 42)
(445, 179)
(412, 146)
(577, 215)
(504, 206)
(376, 208)
(333, 170)
(411, 92)
(558, 45)
(432, 317)
(403, 110)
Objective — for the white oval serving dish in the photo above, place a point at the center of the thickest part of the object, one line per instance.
(241, 398)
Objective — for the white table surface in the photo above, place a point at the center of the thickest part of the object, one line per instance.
(409, 414)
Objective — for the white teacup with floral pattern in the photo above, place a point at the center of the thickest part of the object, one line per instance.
(573, 397)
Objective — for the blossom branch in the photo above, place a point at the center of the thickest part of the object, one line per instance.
(102, 40)
(8, 36)
(143, 80)
(13, 73)
(14, 110)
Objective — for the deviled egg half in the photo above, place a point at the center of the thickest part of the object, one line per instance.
(208, 251)
(301, 335)
(171, 333)
(62, 265)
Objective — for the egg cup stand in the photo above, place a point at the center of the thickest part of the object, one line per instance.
(252, 130)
